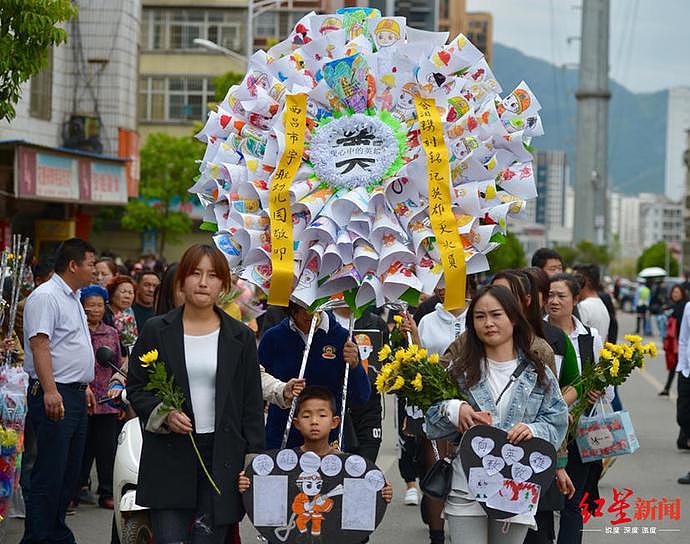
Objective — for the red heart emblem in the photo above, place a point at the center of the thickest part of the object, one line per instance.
(224, 120)
(444, 56)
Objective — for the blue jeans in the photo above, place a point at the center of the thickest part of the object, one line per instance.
(59, 450)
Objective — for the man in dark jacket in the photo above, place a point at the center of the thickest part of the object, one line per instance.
(280, 352)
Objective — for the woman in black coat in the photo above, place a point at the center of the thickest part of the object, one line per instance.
(212, 358)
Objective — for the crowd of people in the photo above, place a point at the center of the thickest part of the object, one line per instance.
(539, 326)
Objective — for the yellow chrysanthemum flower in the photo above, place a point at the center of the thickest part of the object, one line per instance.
(609, 345)
(615, 367)
(149, 358)
(398, 319)
(606, 354)
(380, 383)
(417, 382)
(421, 355)
(651, 349)
(413, 349)
(633, 338)
(384, 352)
(433, 358)
(399, 382)
(400, 354)
(628, 352)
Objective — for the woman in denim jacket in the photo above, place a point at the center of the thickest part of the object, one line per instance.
(499, 337)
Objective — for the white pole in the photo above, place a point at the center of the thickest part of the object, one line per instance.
(302, 369)
(343, 405)
(250, 29)
(390, 8)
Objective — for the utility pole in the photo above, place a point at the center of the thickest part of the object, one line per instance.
(591, 172)
(685, 262)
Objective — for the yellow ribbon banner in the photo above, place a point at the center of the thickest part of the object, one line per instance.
(441, 214)
(282, 250)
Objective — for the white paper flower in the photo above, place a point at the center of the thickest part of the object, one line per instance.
(360, 197)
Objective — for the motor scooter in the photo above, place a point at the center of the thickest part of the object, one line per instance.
(132, 524)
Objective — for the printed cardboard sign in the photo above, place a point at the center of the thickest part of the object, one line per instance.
(506, 479)
(302, 498)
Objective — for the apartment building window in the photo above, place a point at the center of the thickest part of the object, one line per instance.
(266, 25)
(41, 92)
(174, 98)
(164, 29)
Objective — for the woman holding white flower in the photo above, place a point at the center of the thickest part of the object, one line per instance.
(212, 358)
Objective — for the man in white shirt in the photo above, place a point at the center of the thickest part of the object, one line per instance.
(60, 364)
(592, 311)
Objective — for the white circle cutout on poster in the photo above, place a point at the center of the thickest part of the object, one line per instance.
(309, 462)
(331, 465)
(263, 464)
(286, 460)
(375, 479)
(355, 466)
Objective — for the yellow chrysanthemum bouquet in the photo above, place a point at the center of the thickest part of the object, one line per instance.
(416, 376)
(615, 365)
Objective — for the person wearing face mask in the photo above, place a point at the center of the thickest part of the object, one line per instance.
(101, 436)
(498, 346)
(212, 359)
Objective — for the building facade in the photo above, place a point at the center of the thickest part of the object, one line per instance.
(677, 123)
(477, 26)
(73, 144)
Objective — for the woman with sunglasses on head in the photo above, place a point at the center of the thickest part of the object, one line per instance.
(213, 361)
(498, 346)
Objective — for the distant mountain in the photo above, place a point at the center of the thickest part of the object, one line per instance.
(637, 122)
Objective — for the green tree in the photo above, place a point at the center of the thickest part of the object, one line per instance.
(167, 171)
(28, 29)
(223, 82)
(509, 255)
(568, 254)
(655, 255)
(588, 252)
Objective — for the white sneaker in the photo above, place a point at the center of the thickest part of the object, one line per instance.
(411, 497)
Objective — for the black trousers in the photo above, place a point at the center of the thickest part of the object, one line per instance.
(583, 476)
(101, 443)
(683, 405)
(195, 526)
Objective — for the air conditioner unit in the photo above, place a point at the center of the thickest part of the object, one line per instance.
(83, 132)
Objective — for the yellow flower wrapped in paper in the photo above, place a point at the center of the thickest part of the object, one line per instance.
(398, 320)
(384, 352)
(433, 358)
(417, 382)
(398, 384)
(148, 358)
(633, 338)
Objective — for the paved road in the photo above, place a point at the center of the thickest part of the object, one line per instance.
(651, 473)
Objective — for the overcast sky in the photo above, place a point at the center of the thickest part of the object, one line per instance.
(649, 42)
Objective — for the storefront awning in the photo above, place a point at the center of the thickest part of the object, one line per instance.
(66, 175)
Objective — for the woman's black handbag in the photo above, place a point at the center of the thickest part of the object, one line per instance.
(438, 480)
(436, 483)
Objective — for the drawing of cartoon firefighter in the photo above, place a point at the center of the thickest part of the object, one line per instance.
(310, 505)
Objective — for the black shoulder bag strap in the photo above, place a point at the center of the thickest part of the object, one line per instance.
(524, 363)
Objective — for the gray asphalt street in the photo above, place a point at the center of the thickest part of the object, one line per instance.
(650, 473)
